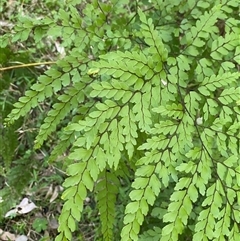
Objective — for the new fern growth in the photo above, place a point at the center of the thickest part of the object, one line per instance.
(153, 85)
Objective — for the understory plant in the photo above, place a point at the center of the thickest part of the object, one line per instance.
(146, 90)
(16, 141)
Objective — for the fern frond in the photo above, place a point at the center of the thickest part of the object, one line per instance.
(38, 92)
(221, 46)
(151, 235)
(72, 97)
(195, 37)
(107, 189)
(66, 139)
(147, 186)
(161, 99)
(79, 181)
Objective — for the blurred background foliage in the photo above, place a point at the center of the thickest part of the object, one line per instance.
(23, 171)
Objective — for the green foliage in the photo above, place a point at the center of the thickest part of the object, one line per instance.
(13, 159)
(107, 189)
(16, 144)
(40, 224)
(150, 86)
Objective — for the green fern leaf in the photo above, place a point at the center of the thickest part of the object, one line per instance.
(107, 189)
